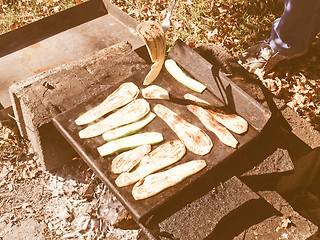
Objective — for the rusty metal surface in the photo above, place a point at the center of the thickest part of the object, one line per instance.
(220, 153)
(61, 38)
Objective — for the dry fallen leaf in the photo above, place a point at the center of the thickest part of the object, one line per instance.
(179, 24)
(14, 26)
(3, 172)
(87, 174)
(2, 182)
(27, 207)
(88, 196)
(300, 99)
(211, 34)
(191, 44)
(56, 9)
(259, 72)
(10, 186)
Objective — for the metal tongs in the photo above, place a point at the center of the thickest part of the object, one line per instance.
(166, 22)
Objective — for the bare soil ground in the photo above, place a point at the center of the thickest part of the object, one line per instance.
(68, 203)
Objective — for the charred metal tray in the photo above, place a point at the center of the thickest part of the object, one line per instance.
(201, 70)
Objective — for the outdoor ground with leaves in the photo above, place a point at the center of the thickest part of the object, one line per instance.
(232, 24)
(17, 13)
(236, 25)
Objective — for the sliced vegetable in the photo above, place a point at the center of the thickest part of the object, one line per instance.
(181, 77)
(195, 139)
(153, 36)
(154, 72)
(132, 112)
(120, 97)
(233, 122)
(157, 182)
(155, 92)
(129, 142)
(200, 102)
(125, 161)
(163, 156)
(213, 125)
(129, 128)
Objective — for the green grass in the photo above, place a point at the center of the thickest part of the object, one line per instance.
(234, 24)
(17, 13)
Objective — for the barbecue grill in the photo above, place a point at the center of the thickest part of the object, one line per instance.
(221, 92)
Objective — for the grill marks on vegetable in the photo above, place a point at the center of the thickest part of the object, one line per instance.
(157, 182)
(155, 92)
(132, 112)
(154, 38)
(138, 165)
(120, 97)
(151, 32)
(233, 122)
(195, 139)
(125, 161)
(213, 125)
(161, 157)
